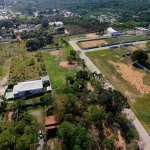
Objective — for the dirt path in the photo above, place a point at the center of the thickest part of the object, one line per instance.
(91, 35)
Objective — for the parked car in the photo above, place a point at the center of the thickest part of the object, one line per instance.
(40, 134)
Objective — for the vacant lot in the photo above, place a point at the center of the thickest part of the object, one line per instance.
(122, 50)
(26, 67)
(134, 38)
(134, 83)
(143, 46)
(91, 43)
(74, 29)
(132, 48)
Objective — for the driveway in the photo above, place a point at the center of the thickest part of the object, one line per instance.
(41, 144)
(144, 142)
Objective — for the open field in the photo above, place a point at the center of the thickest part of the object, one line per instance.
(74, 37)
(26, 67)
(134, 38)
(143, 46)
(91, 43)
(57, 66)
(132, 48)
(132, 82)
(122, 50)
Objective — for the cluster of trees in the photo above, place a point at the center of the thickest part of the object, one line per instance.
(19, 135)
(34, 44)
(79, 109)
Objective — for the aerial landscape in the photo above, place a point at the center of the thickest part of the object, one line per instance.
(75, 75)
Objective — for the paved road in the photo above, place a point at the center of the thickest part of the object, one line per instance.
(144, 142)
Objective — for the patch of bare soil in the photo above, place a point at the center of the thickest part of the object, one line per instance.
(142, 45)
(121, 142)
(66, 31)
(133, 76)
(89, 87)
(132, 48)
(65, 64)
(87, 44)
(56, 53)
(91, 35)
(10, 113)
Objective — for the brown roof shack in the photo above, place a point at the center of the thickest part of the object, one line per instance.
(51, 122)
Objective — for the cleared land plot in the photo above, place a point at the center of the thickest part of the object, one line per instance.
(143, 46)
(134, 83)
(134, 38)
(91, 43)
(122, 50)
(113, 40)
(74, 37)
(26, 67)
(132, 48)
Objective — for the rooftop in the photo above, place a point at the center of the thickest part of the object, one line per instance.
(26, 86)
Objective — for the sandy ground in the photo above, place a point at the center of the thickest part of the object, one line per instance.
(66, 31)
(133, 76)
(142, 45)
(10, 113)
(121, 142)
(132, 48)
(56, 53)
(92, 43)
(65, 64)
(89, 87)
(91, 35)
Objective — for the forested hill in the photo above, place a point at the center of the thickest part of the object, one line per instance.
(120, 5)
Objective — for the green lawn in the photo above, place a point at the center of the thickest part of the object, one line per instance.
(78, 36)
(136, 38)
(122, 50)
(141, 107)
(37, 115)
(113, 40)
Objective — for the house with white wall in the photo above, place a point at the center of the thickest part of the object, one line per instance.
(27, 88)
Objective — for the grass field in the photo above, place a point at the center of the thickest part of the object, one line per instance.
(57, 73)
(26, 67)
(121, 50)
(78, 36)
(136, 38)
(109, 63)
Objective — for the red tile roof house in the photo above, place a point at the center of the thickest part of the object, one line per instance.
(51, 122)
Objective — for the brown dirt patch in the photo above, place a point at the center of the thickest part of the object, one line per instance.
(121, 142)
(89, 87)
(133, 76)
(91, 35)
(65, 64)
(87, 44)
(10, 113)
(132, 48)
(142, 45)
(56, 53)
(66, 31)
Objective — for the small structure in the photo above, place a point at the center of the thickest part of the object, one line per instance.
(141, 30)
(51, 123)
(28, 88)
(57, 24)
(111, 31)
(45, 80)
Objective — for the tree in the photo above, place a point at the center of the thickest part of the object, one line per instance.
(45, 23)
(140, 56)
(112, 100)
(109, 143)
(49, 39)
(47, 98)
(32, 44)
(69, 59)
(73, 53)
